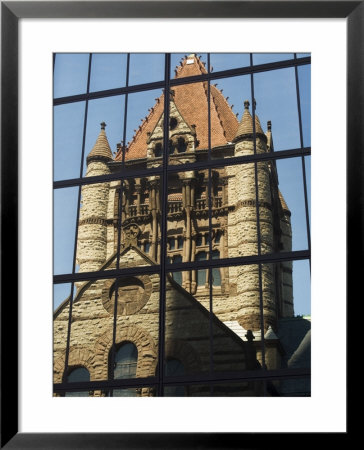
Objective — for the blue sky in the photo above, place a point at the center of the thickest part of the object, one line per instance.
(276, 100)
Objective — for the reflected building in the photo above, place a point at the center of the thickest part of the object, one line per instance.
(216, 217)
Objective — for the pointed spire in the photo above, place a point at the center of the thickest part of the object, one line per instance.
(101, 148)
(246, 124)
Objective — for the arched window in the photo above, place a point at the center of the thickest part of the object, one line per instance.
(201, 274)
(126, 358)
(125, 366)
(75, 375)
(174, 367)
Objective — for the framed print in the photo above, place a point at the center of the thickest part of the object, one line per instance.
(165, 205)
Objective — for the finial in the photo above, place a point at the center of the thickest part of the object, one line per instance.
(269, 125)
(246, 104)
(255, 104)
(250, 336)
(103, 125)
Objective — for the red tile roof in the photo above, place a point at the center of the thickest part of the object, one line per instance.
(191, 101)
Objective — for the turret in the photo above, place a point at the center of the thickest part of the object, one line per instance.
(243, 226)
(92, 229)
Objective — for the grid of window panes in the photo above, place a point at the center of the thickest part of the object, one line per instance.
(182, 258)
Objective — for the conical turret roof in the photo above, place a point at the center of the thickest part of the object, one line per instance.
(246, 124)
(191, 100)
(102, 146)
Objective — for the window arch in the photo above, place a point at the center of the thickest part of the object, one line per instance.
(125, 366)
(78, 374)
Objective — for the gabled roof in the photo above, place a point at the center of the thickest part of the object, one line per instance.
(191, 101)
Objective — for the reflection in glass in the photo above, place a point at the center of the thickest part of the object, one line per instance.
(276, 102)
(68, 122)
(144, 129)
(226, 61)
(64, 214)
(76, 375)
(263, 58)
(187, 327)
(125, 366)
(108, 71)
(146, 67)
(304, 81)
(183, 64)
(70, 74)
(61, 292)
(188, 125)
(226, 111)
(105, 126)
(292, 201)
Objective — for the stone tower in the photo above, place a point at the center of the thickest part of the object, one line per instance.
(92, 231)
(245, 231)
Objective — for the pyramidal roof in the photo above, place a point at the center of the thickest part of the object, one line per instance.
(102, 146)
(246, 124)
(191, 101)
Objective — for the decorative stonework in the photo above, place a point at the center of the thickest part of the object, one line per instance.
(133, 294)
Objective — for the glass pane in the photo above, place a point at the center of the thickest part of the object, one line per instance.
(188, 64)
(287, 317)
(263, 58)
(108, 71)
(146, 67)
(239, 389)
(144, 129)
(65, 202)
(187, 327)
(226, 61)
(141, 211)
(76, 375)
(294, 387)
(192, 390)
(308, 182)
(97, 236)
(68, 121)
(303, 55)
(290, 210)
(276, 102)
(70, 74)
(104, 132)
(99, 231)
(91, 335)
(133, 392)
(304, 80)
(237, 320)
(234, 224)
(227, 100)
(188, 125)
(61, 292)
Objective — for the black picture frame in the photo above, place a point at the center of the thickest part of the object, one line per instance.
(11, 12)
